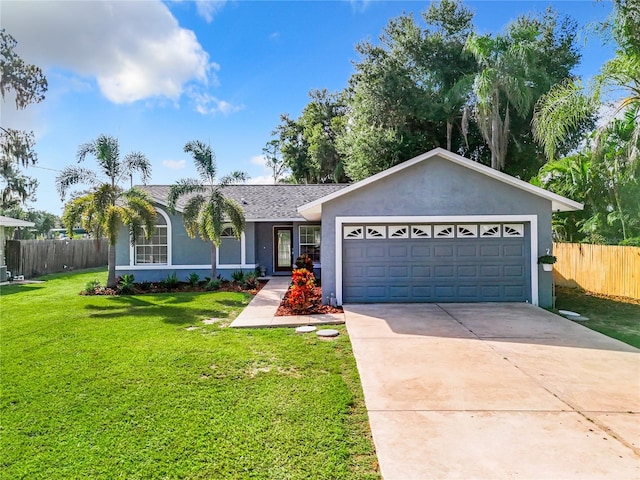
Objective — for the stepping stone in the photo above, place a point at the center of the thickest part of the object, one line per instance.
(568, 313)
(306, 329)
(579, 318)
(328, 332)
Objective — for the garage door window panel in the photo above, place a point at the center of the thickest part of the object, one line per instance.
(378, 231)
(353, 232)
(467, 231)
(396, 231)
(421, 231)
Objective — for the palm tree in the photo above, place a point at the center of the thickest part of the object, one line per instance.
(502, 82)
(207, 211)
(566, 105)
(106, 206)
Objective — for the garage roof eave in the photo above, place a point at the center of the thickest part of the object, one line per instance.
(313, 210)
(565, 205)
(311, 213)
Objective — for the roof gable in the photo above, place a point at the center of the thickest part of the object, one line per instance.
(313, 209)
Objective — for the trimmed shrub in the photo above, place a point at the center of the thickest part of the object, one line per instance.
(301, 289)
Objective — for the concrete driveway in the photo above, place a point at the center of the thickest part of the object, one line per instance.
(490, 391)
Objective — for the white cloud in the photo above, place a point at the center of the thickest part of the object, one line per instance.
(359, 6)
(274, 36)
(261, 180)
(207, 9)
(134, 49)
(260, 160)
(174, 164)
(207, 104)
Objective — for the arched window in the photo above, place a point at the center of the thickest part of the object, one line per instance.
(154, 250)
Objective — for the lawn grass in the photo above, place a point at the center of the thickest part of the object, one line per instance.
(615, 317)
(121, 387)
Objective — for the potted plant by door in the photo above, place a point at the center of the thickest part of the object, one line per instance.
(547, 262)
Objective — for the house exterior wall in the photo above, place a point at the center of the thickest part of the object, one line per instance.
(264, 242)
(187, 255)
(436, 187)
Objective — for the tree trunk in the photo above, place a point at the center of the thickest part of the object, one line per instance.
(493, 144)
(449, 134)
(213, 262)
(111, 259)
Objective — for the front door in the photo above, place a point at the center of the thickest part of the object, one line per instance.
(283, 248)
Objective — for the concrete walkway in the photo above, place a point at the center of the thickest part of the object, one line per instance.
(493, 391)
(262, 309)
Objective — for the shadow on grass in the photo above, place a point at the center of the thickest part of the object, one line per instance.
(19, 288)
(168, 308)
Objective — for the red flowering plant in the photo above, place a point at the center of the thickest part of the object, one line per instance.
(301, 289)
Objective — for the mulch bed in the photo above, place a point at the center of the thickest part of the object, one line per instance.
(284, 310)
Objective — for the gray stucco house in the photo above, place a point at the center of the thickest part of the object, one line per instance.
(436, 228)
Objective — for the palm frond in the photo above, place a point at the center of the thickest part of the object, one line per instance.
(191, 213)
(70, 176)
(106, 151)
(204, 159)
(211, 220)
(112, 221)
(137, 162)
(182, 187)
(558, 112)
(235, 216)
(234, 178)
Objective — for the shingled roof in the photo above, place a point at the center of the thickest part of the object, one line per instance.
(261, 202)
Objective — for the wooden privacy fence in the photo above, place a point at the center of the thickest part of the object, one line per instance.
(606, 269)
(38, 257)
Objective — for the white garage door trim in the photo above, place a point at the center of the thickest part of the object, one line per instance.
(532, 219)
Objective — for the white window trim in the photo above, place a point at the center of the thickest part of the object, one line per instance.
(169, 265)
(132, 249)
(300, 244)
(234, 266)
(243, 256)
(531, 219)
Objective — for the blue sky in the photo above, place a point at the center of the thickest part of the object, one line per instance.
(158, 74)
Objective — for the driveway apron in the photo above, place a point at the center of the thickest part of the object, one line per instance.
(490, 391)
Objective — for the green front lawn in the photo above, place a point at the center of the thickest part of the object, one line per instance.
(122, 387)
(615, 317)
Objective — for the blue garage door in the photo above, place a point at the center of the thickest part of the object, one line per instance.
(436, 263)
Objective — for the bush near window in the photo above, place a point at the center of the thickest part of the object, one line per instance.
(250, 281)
(301, 289)
(304, 261)
(237, 276)
(171, 281)
(194, 279)
(126, 283)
